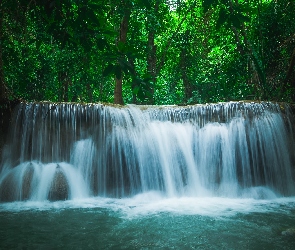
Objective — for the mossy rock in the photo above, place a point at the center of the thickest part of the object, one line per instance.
(59, 189)
(289, 232)
(6, 193)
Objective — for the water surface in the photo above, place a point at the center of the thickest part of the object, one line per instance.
(148, 221)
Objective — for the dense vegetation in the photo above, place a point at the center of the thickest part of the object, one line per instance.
(147, 51)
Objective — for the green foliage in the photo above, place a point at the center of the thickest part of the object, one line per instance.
(176, 52)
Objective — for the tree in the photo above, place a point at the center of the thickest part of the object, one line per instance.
(147, 51)
(118, 98)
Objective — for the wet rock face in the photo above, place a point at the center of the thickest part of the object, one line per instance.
(6, 194)
(6, 111)
(59, 189)
(27, 182)
(10, 190)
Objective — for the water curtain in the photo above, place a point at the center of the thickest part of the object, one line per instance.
(70, 151)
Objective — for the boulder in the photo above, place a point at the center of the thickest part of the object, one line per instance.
(59, 189)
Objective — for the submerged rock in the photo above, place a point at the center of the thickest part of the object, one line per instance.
(59, 189)
(289, 232)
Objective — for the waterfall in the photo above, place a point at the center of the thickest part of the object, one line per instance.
(71, 151)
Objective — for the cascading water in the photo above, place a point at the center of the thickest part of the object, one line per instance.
(70, 151)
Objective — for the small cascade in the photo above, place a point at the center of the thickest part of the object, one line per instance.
(72, 151)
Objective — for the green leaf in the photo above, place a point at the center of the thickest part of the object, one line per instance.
(235, 21)
(259, 66)
(141, 94)
(101, 43)
(148, 94)
(208, 3)
(121, 46)
(118, 71)
(38, 44)
(243, 18)
(135, 90)
(247, 9)
(92, 18)
(147, 3)
(97, 6)
(223, 17)
(124, 68)
(108, 70)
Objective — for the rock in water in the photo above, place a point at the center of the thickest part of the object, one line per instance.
(12, 189)
(59, 189)
(6, 194)
(289, 232)
(27, 181)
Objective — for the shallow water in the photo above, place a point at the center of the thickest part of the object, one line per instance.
(148, 221)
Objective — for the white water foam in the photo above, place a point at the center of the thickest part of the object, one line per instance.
(154, 204)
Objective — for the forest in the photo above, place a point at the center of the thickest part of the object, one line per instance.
(147, 51)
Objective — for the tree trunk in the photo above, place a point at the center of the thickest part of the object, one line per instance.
(256, 63)
(291, 67)
(64, 81)
(89, 92)
(118, 97)
(152, 51)
(186, 82)
(134, 83)
(151, 63)
(151, 59)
